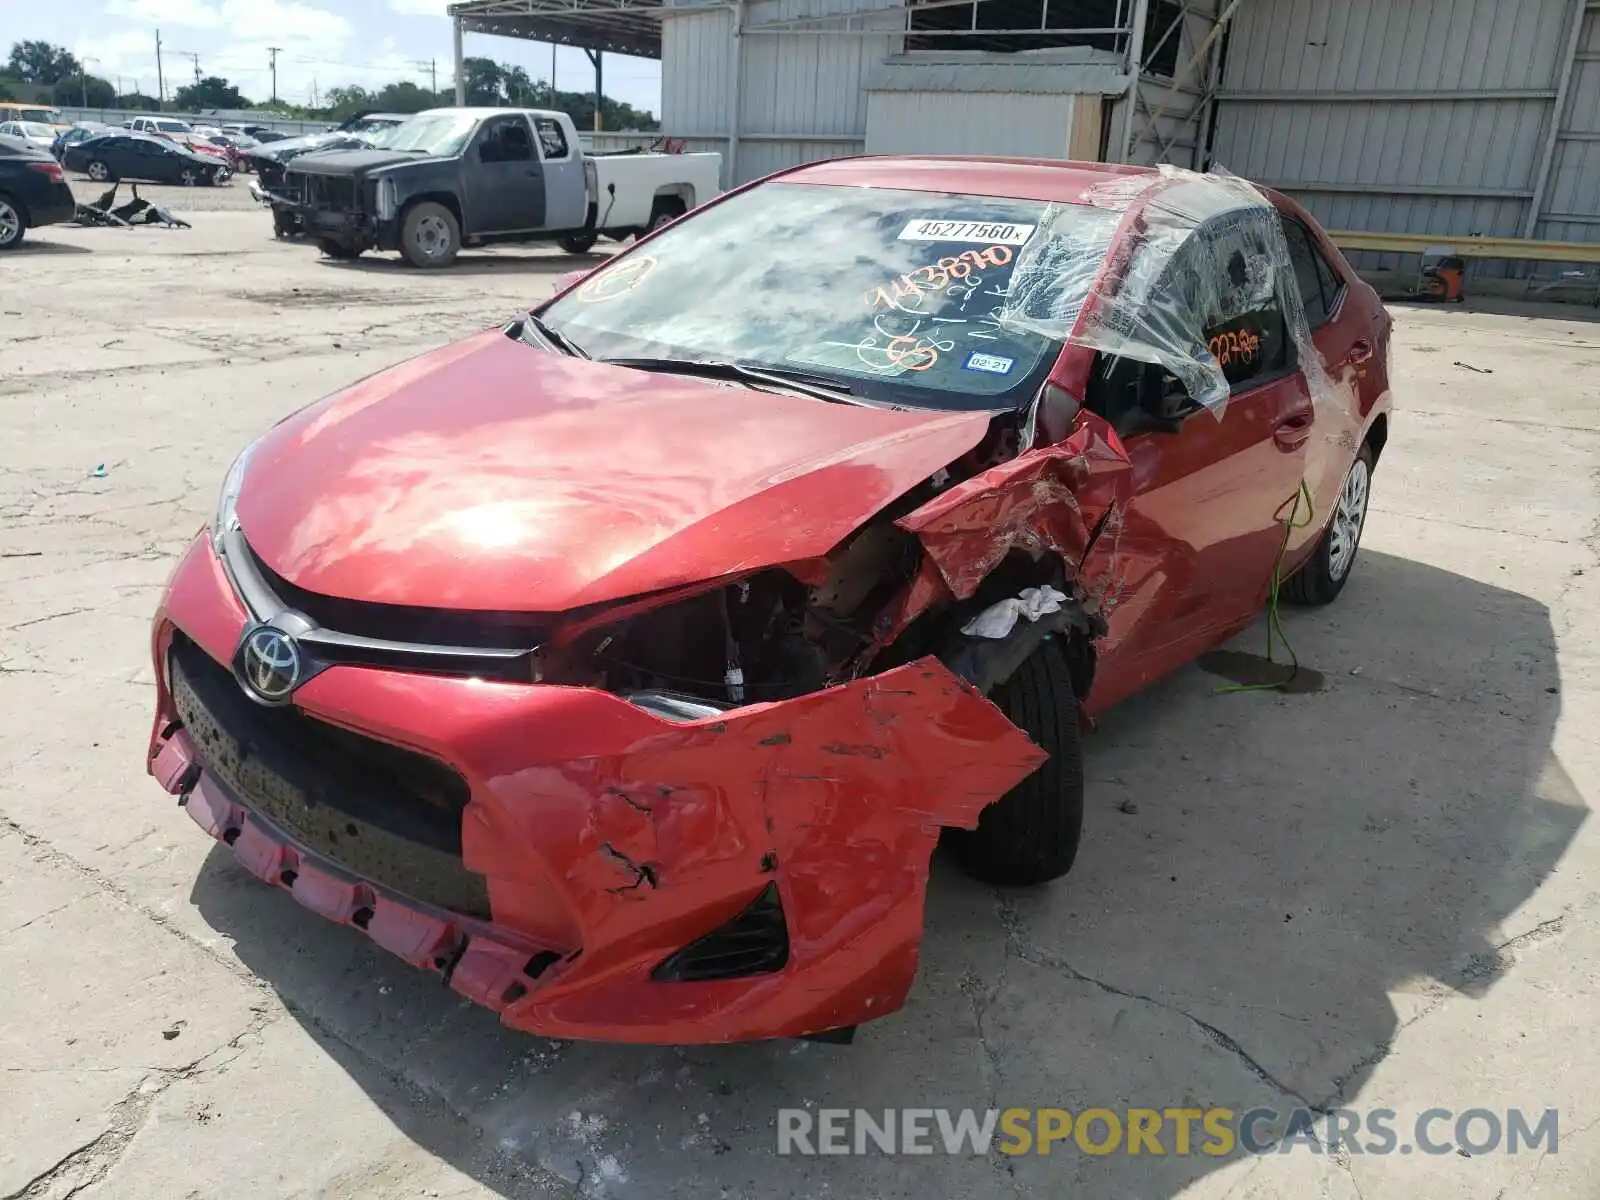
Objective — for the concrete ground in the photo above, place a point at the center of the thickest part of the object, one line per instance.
(1382, 894)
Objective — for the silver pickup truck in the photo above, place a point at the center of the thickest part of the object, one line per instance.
(455, 177)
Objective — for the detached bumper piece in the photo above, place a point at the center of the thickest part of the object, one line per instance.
(486, 970)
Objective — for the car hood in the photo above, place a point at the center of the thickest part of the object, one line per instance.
(351, 162)
(492, 475)
(290, 147)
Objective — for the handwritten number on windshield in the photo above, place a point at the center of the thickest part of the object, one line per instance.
(905, 293)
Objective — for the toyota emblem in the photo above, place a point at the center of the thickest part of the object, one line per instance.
(269, 664)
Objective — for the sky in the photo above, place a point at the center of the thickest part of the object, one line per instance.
(325, 43)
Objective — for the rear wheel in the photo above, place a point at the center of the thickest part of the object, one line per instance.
(1030, 835)
(667, 210)
(1328, 569)
(578, 244)
(188, 177)
(13, 223)
(430, 235)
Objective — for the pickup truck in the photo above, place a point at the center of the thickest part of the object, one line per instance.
(455, 177)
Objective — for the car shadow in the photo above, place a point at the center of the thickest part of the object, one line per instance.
(1269, 886)
(475, 264)
(31, 245)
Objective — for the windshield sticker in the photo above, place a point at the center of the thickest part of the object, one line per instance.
(994, 364)
(1004, 233)
(618, 281)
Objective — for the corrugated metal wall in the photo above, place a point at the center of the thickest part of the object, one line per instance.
(800, 93)
(1571, 212)
(970, 123)
(1414, 116)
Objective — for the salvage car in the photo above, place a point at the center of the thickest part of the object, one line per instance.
(117, 155)
(32, 191)
(455, 177)
(81, 131)
(624, 665)
(360, 131)
(36, 132)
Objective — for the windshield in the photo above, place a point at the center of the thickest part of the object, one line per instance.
(892, 293)
(440, 134)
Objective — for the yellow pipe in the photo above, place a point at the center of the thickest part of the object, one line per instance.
(1469, 247)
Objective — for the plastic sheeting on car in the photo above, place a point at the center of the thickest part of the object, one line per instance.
(1161, 293)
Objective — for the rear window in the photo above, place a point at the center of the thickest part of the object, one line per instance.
(896, 293)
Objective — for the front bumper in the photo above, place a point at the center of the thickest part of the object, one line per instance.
(605, 839)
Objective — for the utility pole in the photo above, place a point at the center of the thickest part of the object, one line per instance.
(196, 58)
(431, 66)
(161, 86)
(272, 62)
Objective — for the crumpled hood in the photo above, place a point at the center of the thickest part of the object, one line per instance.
(287, 148)
(493, 475)
(350, 162)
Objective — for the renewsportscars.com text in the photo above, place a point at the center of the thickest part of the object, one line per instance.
(1176, 1131)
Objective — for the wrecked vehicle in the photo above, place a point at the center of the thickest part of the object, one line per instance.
(456, 177)
(623, 666)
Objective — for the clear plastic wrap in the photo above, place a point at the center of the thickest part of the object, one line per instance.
(1192, 255)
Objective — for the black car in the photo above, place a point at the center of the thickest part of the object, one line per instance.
(122, 155)
(32, 191)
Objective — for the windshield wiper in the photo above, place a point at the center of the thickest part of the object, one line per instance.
(559, 340)
(819, 387)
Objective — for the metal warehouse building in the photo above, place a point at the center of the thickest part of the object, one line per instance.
(1423, 117)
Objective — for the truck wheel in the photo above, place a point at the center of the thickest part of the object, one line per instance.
(430, 236)
(1030, 835)
(334, 249)
(579, 244)
(667, 210)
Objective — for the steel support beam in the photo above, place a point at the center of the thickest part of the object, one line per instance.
(1137, 20)
(460, 61)
(1558, 111)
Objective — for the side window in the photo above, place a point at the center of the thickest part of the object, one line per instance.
(552, 142)
(1319, 282)
(505, 140)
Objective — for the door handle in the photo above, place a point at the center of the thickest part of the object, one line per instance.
(1294, 432)
(1361, 351)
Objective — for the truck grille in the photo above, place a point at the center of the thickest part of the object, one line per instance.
(333, 193)
(390, 815)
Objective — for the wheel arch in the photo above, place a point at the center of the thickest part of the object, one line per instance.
(448, 199)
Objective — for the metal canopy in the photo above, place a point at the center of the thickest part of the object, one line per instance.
(620, 26)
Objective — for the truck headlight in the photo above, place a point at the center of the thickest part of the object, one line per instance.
(226, 519)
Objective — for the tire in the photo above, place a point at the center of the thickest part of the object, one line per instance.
(99, 171)
(284, 223)
(339, 250)
(1030, 835)
(1328, 569)
(581, 244)
(13, 223)
(188, 177)
(430, 235)
(666, 210)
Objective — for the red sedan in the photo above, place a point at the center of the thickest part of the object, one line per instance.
(624, 665)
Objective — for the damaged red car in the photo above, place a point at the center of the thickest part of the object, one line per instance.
(625, 665)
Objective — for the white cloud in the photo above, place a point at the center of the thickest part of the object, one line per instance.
(241, 18)
(193, 14)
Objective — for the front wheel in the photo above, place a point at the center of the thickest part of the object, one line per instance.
(430, 235)
(1326, 572)
(98, 171)
(1030, 835)
(339, 250)
(579, 244)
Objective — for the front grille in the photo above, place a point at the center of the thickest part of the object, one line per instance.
(334, 193)
(389, 815)
(269, 172)
(477, 629)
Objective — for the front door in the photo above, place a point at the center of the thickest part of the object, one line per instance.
(504, 179)
(566, 197)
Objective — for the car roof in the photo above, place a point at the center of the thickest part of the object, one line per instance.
(1047, 179)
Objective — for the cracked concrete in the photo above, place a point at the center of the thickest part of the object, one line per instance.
(1380, 895)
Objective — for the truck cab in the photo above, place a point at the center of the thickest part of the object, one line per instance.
(455, 177)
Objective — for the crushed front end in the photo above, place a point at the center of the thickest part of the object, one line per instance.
(642, 865)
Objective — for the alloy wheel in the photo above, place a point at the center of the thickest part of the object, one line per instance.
(1349, 516)
(10, 223)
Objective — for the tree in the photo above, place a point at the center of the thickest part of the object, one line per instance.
(210, 92)
(483, 78)
(41, 62)
(407, 97)
(344, 102)
(138, 101)
(89, 90)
